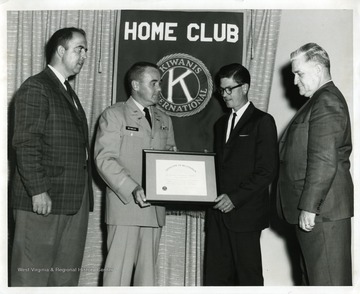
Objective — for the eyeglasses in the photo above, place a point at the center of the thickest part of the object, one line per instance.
(228, 90)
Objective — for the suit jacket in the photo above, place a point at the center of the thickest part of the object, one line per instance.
(314, 160)
(122, 135)
(51, 144)
(246, 165)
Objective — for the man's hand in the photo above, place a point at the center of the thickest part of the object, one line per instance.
(139, 197)
(173, 148)
(42, 204)
(307, 220)
(224, 203)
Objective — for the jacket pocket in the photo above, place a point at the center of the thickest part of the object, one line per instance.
(133, 133)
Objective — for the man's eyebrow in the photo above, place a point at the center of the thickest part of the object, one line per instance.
(82, 47)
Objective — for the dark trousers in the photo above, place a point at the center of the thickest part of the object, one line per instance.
(231, 258)
(326, 252)
(48, 250)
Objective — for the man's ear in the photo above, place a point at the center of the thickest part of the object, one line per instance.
(135, 85)
(319, 68)
(245, 88)
(60, 50)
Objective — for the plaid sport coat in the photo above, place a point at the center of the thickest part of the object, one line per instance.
(51, 144)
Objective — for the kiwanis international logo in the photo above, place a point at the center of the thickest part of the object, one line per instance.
(186, 85)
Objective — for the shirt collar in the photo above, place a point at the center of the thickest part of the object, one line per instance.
(58, 75)
(141, 107)
(321, 86)
(241, 111)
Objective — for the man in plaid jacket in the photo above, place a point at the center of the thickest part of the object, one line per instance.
(51, 192)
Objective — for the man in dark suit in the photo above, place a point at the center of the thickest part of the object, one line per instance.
(51, 194)
(247, 159)
(315, 189)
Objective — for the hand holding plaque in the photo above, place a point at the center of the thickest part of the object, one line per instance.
(139, 197)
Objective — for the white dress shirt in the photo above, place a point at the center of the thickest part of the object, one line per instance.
(239, 114)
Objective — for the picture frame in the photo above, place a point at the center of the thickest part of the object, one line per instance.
(179, 177)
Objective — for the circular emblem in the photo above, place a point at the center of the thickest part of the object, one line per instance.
(186, 85)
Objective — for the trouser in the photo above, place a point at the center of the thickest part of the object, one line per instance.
(132, 254)
(231, 258)
(48, 250)
(326, 252)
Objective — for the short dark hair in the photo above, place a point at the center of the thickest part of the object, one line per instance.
(234, 70)
(313, 52)
(60, 37)
(135, 71)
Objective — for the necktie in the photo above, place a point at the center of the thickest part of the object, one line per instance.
(233, 122)
(147, 115)
(68, 89)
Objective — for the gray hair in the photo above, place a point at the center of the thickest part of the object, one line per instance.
(312, 52)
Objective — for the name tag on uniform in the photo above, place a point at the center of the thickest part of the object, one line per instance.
(132, 129)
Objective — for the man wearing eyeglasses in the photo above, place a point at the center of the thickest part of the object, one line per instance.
(246, 161)
(51, 192)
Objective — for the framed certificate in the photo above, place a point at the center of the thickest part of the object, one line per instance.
(179, 176)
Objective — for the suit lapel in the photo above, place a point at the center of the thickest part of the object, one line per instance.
(284, 134)
(156, 118)
(223, 128)
(79, 112)
(243, 120)
(78, 108)
(59, 86)
(224, 152)
(136, 115)
(299, 112)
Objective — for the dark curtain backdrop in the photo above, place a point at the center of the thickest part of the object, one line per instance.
(217, 44)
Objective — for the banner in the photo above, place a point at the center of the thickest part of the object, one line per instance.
(189, 48)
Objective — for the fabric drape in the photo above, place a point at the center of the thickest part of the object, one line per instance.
(261, 43)
(180, 259)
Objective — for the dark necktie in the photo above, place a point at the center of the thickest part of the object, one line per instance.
(233, 122)
(147, 115)
(68, 89)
